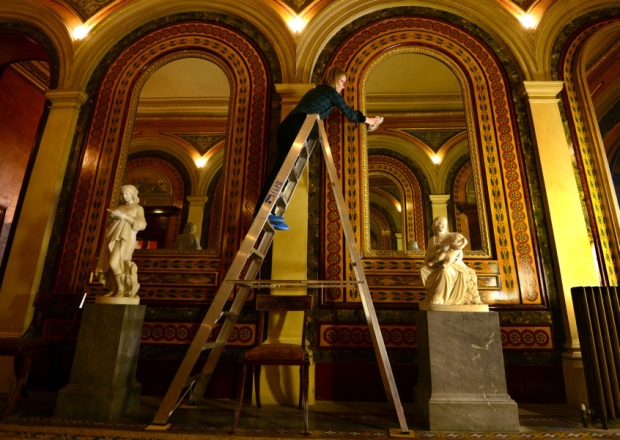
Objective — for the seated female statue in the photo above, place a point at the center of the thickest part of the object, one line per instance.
(446, 278)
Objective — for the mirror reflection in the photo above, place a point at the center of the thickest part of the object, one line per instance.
(418, 162)
(176, 153)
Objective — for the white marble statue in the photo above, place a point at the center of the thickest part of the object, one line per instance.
(447, 280)
(115, 270)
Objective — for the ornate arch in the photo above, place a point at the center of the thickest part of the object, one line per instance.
(600, 204)
(384, 229)
(511, 272)
(103, 146)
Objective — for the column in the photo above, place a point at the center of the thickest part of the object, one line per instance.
(399, 240)
(439, 205)
(280, 385)
(27, 256)
(196, 212)
(572, 252)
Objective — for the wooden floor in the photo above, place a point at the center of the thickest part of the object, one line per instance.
(33, 418)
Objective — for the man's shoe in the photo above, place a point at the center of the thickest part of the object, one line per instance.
(276, 219)
(281, 227)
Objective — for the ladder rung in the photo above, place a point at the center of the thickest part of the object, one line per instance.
(227, 315)
(211, 345)
(195, 378)
(243, 283)
(258, 254)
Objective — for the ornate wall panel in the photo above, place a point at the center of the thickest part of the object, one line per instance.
(104, 154)
(510, 273)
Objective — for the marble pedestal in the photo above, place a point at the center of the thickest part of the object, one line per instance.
(102, 384)
(461, 377)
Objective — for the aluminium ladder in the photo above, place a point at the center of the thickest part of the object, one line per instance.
(245, 267)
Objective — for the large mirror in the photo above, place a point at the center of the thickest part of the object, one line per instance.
(419, 162)
(176, 153)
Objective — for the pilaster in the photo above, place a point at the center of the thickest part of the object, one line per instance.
(572, 252)
(196, 212)
(290, 262)
(27, 255)
(439, 205)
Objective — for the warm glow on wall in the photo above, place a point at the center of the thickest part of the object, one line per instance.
(80, 32)
(436, 159)
(296, 24)
(528, 21)
(201, 162)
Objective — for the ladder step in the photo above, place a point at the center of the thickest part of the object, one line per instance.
(212, 345)
(227, 315)
(196, 377)
(258, 254)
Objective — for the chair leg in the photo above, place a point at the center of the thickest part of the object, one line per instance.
(241, 382)
(257, 369)
(301, 387)
(21, 365)
(304, 393)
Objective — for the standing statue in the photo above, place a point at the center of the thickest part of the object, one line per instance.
(447, 279)
(115, 270)
(188, 239)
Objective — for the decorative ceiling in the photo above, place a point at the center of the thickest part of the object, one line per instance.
(88, 8)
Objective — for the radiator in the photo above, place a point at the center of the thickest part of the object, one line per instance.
(598, 317)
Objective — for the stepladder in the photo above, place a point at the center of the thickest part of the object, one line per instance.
(241, 278)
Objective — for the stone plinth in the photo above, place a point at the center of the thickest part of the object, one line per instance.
(103, 384)
(462, 381)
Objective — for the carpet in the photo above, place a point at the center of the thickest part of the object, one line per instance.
(212, 420)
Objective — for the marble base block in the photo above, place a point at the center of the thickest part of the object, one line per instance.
(461, 377)
(102, 384)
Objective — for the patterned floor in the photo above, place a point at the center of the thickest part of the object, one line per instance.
(33, 419)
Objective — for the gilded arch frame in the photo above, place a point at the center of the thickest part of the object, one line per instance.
(600, 205)
(512, 272)
(103, 145)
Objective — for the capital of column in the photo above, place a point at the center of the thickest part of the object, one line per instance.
(292, 93)
(197, 200)
(543, 91)
(66, 99)
(439, 199)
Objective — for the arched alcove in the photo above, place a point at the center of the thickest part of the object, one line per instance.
(506, 264)
(106, 145)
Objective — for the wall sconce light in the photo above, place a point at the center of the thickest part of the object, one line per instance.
(436, 159)
(296, 24)
(201, 162)
(80, 32)
(528, 21)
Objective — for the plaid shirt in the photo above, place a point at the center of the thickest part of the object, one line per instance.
(322, 100)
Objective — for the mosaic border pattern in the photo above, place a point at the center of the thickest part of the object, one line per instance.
(242, 335)
(354, 336)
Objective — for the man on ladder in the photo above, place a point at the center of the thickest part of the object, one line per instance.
(320, 100)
